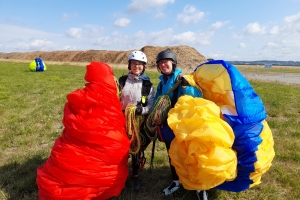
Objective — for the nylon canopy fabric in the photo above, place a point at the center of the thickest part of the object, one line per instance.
(37, 65)
(89, 159)
(244, 111)
(201, 151)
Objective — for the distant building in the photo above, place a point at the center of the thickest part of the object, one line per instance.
(268, 66)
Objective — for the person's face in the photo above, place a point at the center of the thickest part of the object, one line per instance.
(136, 67)
(165, 66)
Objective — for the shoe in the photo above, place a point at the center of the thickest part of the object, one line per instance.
(175, 185)
(136, 185)
(201, 194)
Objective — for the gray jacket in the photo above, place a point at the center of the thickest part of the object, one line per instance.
(132, 93)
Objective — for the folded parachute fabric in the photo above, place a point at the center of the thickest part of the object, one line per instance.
(244, 111)
(201, 151)
(89, 159)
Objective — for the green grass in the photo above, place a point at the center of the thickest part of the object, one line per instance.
(31, 110)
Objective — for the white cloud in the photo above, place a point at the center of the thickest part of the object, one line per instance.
(218, 25)
(139, 34)
(74, 33)
(29, 40)
(88, 32)
(192, 38)
(116, 34)
(10, 31)
(137, 6)
(160, 38)
(186, 37)
(216, 55)
(254, 28)
(285, 42)
(279, 50)
(292, 19)
(237, 36)
(189, 9)
(292, 25)
(272, 44)
(274, 30)
(190, 15)
(69, 48)
(41, 43)
(290, 28)
(90, 35)
(104, 41)
(242, 45)
(122, 22)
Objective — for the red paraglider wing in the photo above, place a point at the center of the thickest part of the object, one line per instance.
(89, 160)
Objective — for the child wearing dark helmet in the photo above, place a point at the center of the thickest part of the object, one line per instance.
(136, 89)
(166, 64)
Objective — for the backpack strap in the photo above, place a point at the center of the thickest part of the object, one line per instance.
(122, 80)
(146, 88)
(174, 97)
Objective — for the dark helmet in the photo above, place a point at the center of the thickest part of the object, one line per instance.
(167, 54)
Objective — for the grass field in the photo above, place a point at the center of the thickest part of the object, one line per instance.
(31, 110)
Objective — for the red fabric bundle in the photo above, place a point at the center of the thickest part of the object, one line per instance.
(89, 160)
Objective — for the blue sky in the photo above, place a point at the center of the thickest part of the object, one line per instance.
(229, 30)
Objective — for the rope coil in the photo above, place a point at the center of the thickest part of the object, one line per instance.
(133, 124)
(159, 113)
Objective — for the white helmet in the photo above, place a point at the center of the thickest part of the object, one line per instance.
(138, 55)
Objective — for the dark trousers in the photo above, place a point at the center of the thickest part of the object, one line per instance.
(138, 159)
(173, 171)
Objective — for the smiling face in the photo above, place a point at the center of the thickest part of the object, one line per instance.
(165, 66)
(136, 67)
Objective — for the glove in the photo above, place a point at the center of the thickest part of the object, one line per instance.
(184, 82)
(139, 110)
(179, 77)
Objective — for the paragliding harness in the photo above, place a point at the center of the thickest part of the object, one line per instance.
(158, 111)
(146, 88)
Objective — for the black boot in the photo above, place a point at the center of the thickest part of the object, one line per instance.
(136, 185)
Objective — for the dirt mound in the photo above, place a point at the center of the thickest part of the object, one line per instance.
(187, 57)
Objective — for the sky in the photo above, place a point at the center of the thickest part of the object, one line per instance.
(227, 30)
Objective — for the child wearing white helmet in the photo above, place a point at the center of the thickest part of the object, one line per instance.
(136, 89)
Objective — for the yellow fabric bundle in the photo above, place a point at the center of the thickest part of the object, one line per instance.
(264, 154)
(190, 79)
(201, 151)
(215, 84)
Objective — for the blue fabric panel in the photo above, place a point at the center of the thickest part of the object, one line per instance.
(246, 126)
